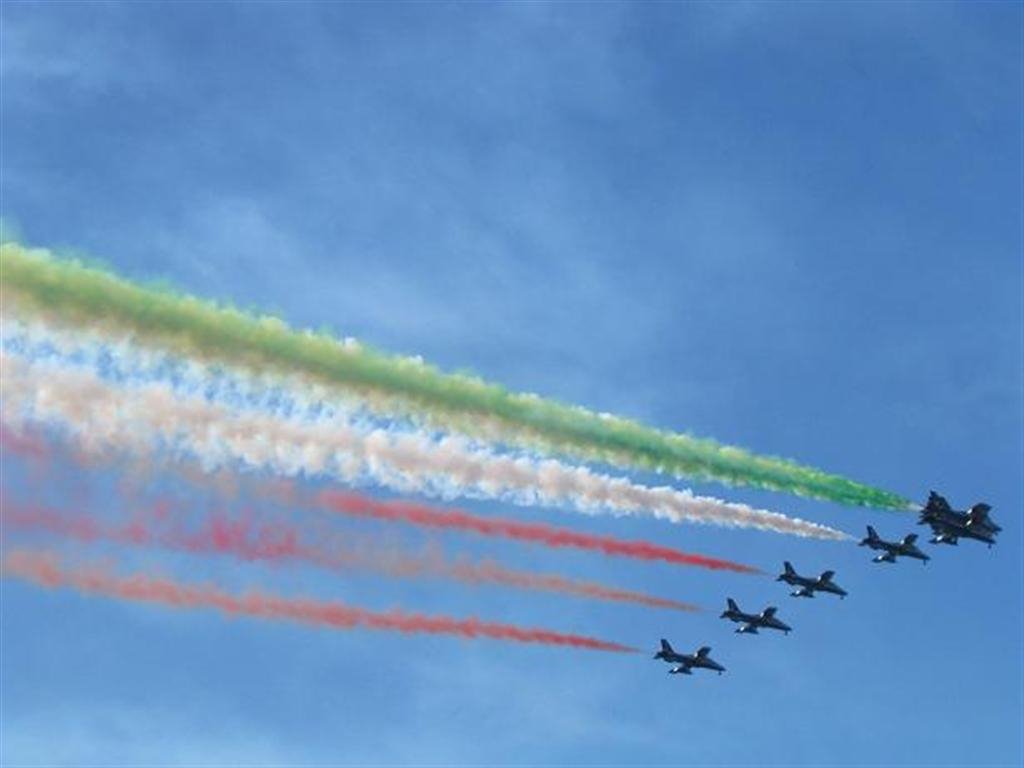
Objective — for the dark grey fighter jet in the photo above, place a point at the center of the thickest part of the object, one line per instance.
(808, 584)
(753, 621)
(893, 549)
(686, 661)
(949, 525)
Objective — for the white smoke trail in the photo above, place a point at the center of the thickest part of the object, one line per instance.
(145, 417)
(122, 359)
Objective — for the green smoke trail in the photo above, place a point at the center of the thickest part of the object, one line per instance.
(70, 293)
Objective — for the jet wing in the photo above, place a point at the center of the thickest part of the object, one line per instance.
(979, 511)
(768, 612)
(977, 516)
(827, 575)
(703, 651)
(909, 539)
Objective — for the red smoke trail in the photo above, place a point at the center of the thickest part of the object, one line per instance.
(536, 533)
(46, 571)
(281, 542)
(491, 572)
(20, 443)
(285, 491)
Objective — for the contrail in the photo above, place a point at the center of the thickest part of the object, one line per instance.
(533, 533)
(145, 417)
(46, 571)
(70, 294)
(24, 445)
(279, 542)
(542, 534)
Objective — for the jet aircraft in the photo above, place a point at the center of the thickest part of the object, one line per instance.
(687, 661)
(753, 621)
(809, 584)
(893, 549)
(949, 525)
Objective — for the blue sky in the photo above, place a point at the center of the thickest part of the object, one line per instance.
(793, 227)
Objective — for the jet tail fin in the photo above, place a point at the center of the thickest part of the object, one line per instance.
(978, 515)
(732, 604)
(937, 503)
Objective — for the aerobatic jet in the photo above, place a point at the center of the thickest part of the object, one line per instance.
(949, 525)
(687, 661)
(753, 621)
(893, 549)
(809, 584)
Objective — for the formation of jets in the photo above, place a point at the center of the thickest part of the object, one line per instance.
(753, 621)
(948, 526)
(893, 549)
(810, 584)
(686, 661)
